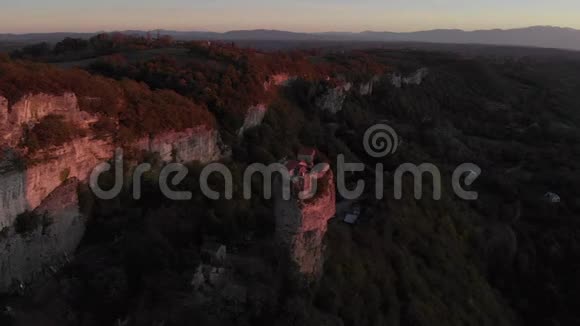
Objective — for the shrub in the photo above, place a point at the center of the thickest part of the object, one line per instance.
(64, 174)
(52, 130)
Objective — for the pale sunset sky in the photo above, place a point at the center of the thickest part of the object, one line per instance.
(24, 16)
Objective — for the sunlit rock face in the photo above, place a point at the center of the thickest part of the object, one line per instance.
(195, 144)
(302, 225)
(254, 117)
(26, 256)
(45, 182)
(31, 108)
(25, 189)
(75, 159)
(281, 79)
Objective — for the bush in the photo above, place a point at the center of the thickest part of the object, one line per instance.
(52, 130)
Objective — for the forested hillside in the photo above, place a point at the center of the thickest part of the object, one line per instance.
(511, 257)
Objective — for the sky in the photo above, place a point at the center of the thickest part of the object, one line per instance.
(24, 16)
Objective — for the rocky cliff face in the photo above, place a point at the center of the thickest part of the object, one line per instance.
(334, 98)
(195, 144)
(33, 107)
(44, 184)
(415, 78)
(302, 225)
(23, 257)
(254, 117)
(367, 88)
(25, 190)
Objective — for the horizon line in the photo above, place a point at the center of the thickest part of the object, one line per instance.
(291, 31)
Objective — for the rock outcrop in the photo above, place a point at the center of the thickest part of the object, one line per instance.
(24, 257)
(302, 224)
(415, 78)
(33, 107)
(254, 117)
(333, 100)
(49, 179)
(367, 88)
(256, 113)
(195, 144)
(25, 189)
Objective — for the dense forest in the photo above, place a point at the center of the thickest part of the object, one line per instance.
(509, 258)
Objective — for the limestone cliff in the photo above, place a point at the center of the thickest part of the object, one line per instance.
(334, 98)
(367, 88)
(25, 189)
(254, 117)
(23, 257)
(256, 113)
(194, 144)
(45, 182)
(33, 107)
(302, 225)
(415, 78)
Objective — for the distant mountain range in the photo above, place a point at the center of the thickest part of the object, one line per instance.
(537, 36)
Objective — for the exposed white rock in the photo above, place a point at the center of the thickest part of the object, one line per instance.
(195, 144)
(24, 257)
(49, 181)
(415, 78)
(254, 117)
(333, 100)
(26, 189)
(32, 108)
(367, 88)
(12, 197)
